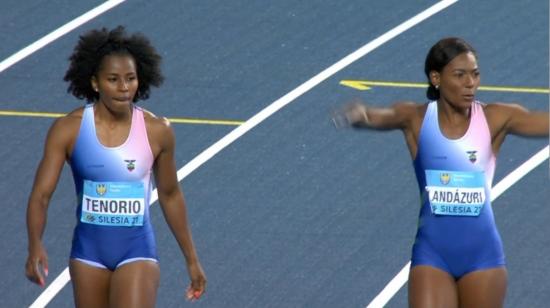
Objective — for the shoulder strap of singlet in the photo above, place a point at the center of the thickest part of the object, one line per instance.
(477, 111)
(137, 130)
(87, 119)
(431, 112)
(479, 118)
(428, 121)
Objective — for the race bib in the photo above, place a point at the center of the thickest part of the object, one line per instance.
(455, 193)
(113, 203)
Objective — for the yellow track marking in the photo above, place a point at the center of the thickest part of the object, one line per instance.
(172, 120)
(368, 84)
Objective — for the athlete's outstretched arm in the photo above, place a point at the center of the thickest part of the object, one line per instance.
(504, 119)
(173, 206)
(45, 181)
(523, 122)
(359, 114)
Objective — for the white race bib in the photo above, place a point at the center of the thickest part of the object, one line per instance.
(455, 193)
(113, 203)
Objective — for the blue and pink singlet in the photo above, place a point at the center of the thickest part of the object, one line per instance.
(113, 187)
(456, 229)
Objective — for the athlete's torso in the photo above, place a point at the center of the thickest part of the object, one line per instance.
(454, 178)
(470, 153)
(96, 167)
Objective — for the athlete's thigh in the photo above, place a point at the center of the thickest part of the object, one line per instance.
(485, 288)
(135, 284)
(430, 287)
(90, 284)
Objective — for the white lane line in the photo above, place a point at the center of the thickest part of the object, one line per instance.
(59, 32)
(520, 172)
(62, 279)
(308, 85)
(280, 103)
(52, 289)
(403, 276)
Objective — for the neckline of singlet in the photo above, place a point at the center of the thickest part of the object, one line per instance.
(473, 114)
(128, 138)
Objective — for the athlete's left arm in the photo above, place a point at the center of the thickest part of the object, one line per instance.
(518, 120)
(172, 202)
(523, 122)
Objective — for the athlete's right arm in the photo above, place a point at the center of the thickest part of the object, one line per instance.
(56, 151)
(358, 114)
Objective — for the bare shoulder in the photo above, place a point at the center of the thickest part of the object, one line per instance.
(410, 110)
(64, 131)
(513, 118)
(68, 124)
(156, 124)
(499, 111)
(503, 109)
(408, 106)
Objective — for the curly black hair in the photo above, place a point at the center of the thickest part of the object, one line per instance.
(94, 45)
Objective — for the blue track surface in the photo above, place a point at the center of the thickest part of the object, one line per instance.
(294, 213)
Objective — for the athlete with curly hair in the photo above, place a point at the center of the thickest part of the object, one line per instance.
(113, 148)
